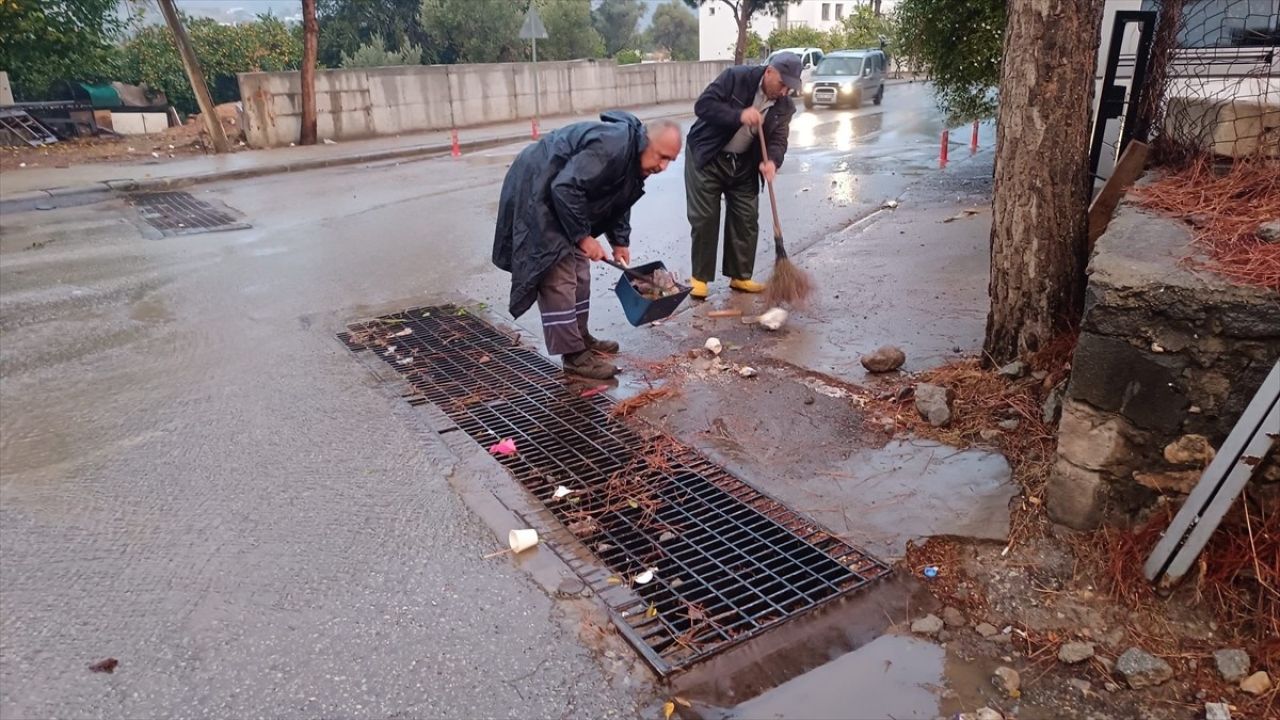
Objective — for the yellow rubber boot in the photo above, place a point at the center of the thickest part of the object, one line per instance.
(700, 289)
(747, 286)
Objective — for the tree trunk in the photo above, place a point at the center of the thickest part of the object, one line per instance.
(191, 65)
(740, 50)
(310, 43)
(1042, 183)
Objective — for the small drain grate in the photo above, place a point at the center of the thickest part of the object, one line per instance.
(178, 213)
(728, 562)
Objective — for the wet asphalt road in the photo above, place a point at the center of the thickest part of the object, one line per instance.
(200, 481)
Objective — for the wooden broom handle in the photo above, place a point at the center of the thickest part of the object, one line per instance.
(773, 200)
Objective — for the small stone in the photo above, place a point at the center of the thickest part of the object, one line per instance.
(885, 359)
(1141, 669)
(713, 345)
(1003, 638)
(1084, 686)
(933, 402)
(1217, 711)
(1194, 450)
(928, 625)
(809, 400)
(1075, 652)
(747, 371)
(987, 713)
(1052, 407)
(1039, 375)
(570, 586)
(1269, 231)
(989, 434)
(1258, 683)
(986, 630)
(944, 636)
(1110, 686)
(1232, 663)
(1008, 681)
(953, 617)
(1014, 370)
(1010, 424)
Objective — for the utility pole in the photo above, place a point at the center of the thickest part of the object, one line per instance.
(310, 41)
(191, 65)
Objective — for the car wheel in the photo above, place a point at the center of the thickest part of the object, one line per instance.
(879, 96)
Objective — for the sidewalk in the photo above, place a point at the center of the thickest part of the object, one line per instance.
(31, 185)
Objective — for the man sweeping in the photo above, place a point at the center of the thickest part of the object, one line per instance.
(560, 195)
(725, 160)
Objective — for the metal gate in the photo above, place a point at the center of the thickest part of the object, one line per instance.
(1120, 93)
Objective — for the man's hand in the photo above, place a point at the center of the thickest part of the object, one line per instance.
(592, 248)
(751, 117)
(622, 256)
(768, 170)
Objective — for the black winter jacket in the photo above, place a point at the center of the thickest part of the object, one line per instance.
(577, 181)
(719, 110)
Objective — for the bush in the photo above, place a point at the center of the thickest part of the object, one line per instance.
(224, 50)
(628, 57)
(959, 44)
(375, 54)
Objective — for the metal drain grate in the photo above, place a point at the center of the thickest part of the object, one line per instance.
(728, 562)
(178, 213)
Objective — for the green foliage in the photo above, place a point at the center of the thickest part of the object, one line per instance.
(799, 36)
(958, 43)
(862, 28)
(756, 46)
(45, 41)
(472, 31)
(675, 30)
(376, 54)
(628, 57)
(346, 25)
(150, 57)
(570, 35)
(616, 21)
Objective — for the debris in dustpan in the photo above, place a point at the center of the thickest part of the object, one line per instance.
(656, 285)
(506, 446)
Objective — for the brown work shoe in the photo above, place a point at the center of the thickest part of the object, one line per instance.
(604, 347)
(588, 365)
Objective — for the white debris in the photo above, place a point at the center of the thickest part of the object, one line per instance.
(747, 371)
(561, 491)
(645, 577)
(890, 204)
(327, 141)
(773, 319)
(714, 345)
(402, 333)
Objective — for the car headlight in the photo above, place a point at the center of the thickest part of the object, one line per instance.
(808, 88)
(846, 88)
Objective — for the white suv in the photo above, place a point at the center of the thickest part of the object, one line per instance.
(809, 59)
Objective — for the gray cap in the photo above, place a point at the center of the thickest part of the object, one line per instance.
(788, 66)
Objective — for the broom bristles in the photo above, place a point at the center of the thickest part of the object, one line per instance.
(789, 284)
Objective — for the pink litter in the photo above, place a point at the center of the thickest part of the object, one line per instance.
(506, 447)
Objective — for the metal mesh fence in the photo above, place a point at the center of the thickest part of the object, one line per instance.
(1214, 80)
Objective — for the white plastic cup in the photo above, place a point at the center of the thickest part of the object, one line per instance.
(521, 540)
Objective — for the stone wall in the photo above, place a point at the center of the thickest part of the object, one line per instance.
(1168, 358)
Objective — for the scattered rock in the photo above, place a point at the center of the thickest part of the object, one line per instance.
(713, 345)
(1258, 683)
(1075, 652)
(1233, 664)
(928, 625)
(1217, 711)
(1010, 424)
(885, 359)
(1269, 231)
(953, 617)
(986, 630)
(773, 319)
(944, 636)
(1142, 669)
(1191, 449)
(570, 587)
(933, 402)
(747, 371)
(1084, 686)
(1003, 638)
(108, 665)
(1052, 408)
(1178, 481)
(809, 400)
(1014, 370)
(1039, 375)
(1110, 686)
(1008, 681)
(989, 434)
(987, 713)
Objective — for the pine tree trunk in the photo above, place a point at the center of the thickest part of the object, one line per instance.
(1042, 183)
(740, 50)
(310, 45)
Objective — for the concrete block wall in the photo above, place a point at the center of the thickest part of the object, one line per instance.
(1168, 358)
(369, 102)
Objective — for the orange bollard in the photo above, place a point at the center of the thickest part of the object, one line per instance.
(455, 150)
(533, 124)
(942, 156)
(973, 139)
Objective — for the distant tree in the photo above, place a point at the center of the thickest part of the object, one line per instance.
(743, 11)
(346, 25)
(863, 28)
(44, 41)
(958, 43)
(570, 35)
(472, 31)
(375, 54)
(629, 57)
(616, 21)
(675, 30)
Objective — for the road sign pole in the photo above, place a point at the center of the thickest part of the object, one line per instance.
(533, 29)
(537, 94)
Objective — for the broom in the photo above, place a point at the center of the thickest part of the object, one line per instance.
(788, 284)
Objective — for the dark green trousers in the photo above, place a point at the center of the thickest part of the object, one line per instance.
(737, 179)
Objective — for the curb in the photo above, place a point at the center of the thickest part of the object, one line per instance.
(101, 190)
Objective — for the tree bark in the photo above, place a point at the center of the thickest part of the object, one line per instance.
(743, 16)
(1042, 183)
(310, 43)
(190, 64)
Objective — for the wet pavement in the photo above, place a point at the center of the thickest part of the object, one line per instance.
(201, 482)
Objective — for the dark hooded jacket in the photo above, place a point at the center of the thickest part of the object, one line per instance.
(577, 181)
